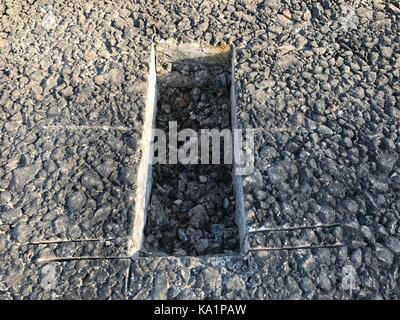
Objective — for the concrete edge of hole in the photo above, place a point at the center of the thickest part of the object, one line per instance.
(188, 51)
(240, 212)
(144, 177)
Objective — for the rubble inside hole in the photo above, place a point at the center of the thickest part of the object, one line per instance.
(191, 210)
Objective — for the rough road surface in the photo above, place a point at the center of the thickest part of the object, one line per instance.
(319, 80)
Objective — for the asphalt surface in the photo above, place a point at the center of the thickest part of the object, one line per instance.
(318, 80)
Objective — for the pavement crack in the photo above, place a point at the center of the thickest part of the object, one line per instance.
(65, 259)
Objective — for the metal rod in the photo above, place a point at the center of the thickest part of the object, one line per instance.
(338, 245)
(293, 228)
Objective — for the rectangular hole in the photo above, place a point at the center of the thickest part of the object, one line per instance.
(191, 210)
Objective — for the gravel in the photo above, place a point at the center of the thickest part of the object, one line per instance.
(319, 81)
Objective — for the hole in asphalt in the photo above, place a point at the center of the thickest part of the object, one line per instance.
(191, 210)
